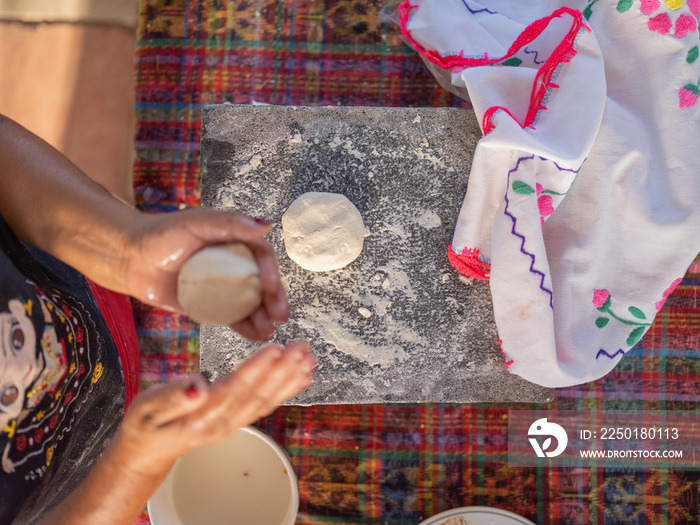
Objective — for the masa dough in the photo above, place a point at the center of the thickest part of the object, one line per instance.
(220, 285)
(322, 231)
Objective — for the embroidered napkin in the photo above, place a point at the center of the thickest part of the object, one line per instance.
(583, 205)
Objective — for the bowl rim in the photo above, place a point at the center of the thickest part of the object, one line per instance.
(457, 511)
(276, 447)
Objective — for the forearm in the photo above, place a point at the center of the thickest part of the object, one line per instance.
(169, 420)
(112, 494)
(49, 203)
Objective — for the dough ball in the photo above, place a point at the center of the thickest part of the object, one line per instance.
(220, 285)
(322, 231)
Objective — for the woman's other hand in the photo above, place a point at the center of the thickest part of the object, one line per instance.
(170, 419)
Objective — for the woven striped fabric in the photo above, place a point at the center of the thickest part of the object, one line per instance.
(381, 464)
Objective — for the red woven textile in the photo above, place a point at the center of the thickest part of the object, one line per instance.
(380, 463)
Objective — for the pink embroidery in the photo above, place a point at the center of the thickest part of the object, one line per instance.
(684, 25)
(488, 115)
(468, 263)
(660, 23)
(603, 303)
(694, 6)
(688, 96)
(668, 291)
(600, 297)
(649, 6)
(563, 53)
(505, 357)
(515, 232)
(544, 203)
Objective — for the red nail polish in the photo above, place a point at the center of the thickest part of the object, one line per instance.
(263, 220)
(191, 391)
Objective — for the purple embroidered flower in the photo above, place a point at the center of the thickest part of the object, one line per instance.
(688, 96)
(600, 297)
(668, 291)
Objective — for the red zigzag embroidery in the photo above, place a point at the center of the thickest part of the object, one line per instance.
(563, 53)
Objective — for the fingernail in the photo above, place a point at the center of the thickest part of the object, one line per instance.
(192, 391)
(262, 220)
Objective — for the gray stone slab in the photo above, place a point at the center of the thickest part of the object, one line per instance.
(431, 335)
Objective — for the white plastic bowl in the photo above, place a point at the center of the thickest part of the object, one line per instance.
(245, 479)
(476, 516)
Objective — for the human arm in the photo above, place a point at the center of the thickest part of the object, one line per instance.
(49, 203)
(168, 420)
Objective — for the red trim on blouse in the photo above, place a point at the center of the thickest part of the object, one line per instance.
(119, 316)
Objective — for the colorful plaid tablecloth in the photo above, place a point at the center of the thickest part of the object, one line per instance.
(376, 464)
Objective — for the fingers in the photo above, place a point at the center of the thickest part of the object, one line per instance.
(162, 404)
(236, 400)
(214, 226)
(248, 330)
(281, 376)
(269, 377)
(257, 327)
(277, 304)
(220, 227)
(274, 296)
(267, 264)
(293, 374)
(261, 321)
(170, 419)
(252, 370)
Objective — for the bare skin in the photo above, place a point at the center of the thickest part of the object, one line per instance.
(115, 245)
(165, 422)
(49, 203)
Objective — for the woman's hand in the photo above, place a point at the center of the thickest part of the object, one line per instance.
(170, 419)
(162, 243)
(114, 244)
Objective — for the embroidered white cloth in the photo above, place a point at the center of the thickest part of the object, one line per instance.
(583, 204)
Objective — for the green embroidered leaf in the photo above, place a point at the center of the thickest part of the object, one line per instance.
(692, 55)
(601, 322)
(515, 61)
(693, 88)
(522, 188)
(636, 335)
(588, 11)
(637, 312)
(624, 5)
(606, 305)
